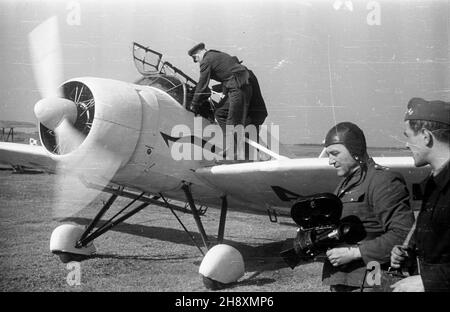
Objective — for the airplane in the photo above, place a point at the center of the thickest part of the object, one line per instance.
(9, 124)
(7, 136)
(117, 137)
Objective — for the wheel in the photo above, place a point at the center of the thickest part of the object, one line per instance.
(63, 241)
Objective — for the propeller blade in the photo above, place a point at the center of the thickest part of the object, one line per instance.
(67, 137)
(97, 166)
(46, 57)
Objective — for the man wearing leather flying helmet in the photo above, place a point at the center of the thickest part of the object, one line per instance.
(376, 196)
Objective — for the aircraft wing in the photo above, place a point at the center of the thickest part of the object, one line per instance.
(30, 156)
(278, 182)
(16, 124)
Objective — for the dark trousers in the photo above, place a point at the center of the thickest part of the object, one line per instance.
(234, 110)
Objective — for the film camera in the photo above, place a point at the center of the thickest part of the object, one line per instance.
(320, 227)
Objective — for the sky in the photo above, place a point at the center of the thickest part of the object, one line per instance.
(318, 62)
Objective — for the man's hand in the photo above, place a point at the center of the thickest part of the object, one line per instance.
(410, 284)
(398, 256)
(342, 255)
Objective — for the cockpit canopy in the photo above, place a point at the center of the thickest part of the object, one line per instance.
(162, 75)
(166, 77)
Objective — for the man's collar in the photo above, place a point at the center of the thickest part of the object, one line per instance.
(353, 176)
(443, 176)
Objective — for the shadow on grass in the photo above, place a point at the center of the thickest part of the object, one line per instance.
(140, 258)
(153, 232)
(264, 257)
(253, 280)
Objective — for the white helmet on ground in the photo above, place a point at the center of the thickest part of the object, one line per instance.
(221, 265)
(64, 238)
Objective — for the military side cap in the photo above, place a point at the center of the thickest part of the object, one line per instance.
(195, 48)
(420, 109)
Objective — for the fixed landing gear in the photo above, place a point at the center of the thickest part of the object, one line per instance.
(75, 243)
(223, 216)
(63, 243)
(196, 213)
(67, 257)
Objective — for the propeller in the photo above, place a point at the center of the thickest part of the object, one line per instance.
(46, 59)
(95, 164)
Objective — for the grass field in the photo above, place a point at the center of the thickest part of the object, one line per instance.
(149, 252)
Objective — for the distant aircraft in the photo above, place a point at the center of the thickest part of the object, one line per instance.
(9, 124)
(9, 135)
(117, 137)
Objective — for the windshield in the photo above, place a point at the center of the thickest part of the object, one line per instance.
(164, 76)
(147, 61)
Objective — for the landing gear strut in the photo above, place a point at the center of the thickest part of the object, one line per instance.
(187, 192)
(88, 237)
(223, 217)
(195, 213)
(71, 242)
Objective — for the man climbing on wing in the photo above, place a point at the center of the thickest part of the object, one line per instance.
(243, 103)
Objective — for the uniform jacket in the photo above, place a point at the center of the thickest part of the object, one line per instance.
(257, 111)
(219, 66)
(431, 239)
(380, 199)
(231, 73)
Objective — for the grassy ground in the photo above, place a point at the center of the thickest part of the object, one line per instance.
(149, 252)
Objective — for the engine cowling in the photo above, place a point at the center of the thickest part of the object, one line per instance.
(109, 116)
